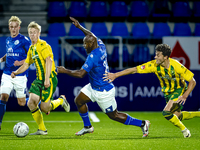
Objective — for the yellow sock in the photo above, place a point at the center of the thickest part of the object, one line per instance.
(56, 103)
(38, 117)
(175, 121)
(189, 115)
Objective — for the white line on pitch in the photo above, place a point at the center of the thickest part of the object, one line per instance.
(44, 121)
(94, 117)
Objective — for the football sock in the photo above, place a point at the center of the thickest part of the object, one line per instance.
(56, 103)
(132, 121)
(2, 109)
(38, 117)
(173, 119)
(185, 115)
(86, 119)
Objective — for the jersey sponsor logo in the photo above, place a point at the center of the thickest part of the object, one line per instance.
(16, 42)
(35, 56)
(10, 50)
(12, 54)
(143, 67)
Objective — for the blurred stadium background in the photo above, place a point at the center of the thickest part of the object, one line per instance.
(130, 30)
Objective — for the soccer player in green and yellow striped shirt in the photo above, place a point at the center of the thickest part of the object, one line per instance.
(44, 85)
(172, 76)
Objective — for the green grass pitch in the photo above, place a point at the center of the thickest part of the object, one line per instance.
(108, 134)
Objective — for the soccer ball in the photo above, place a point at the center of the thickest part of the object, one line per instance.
(21, 129)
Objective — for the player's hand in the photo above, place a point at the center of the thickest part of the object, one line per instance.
(75, 22)
(17, 63)
(1, 60)
(13, 75)
(109, 76)
(181, 100)
(46, 83)
(61, 69)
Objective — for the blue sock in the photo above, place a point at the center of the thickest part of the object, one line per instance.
(2, 109)
(132, 121)
(27, 102)
(86, 119)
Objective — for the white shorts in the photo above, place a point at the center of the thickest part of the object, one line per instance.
(105, 100)
(18, 84)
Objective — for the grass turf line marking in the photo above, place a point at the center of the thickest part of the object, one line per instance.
(94, 117)
(44, 121)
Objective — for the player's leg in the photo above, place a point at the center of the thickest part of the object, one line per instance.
(36, 113)
(186, 115)
(128, 120)
(168, 114)
(3, 101)
(47, 95)
(6, 88)
(19, 84)
(34, 98)
(81, 102)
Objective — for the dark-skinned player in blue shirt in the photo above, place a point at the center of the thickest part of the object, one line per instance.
(98, 90)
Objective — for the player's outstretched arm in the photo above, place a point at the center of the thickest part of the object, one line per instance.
(74, 73)
(23, 68)
(77, 24)
(2, 59)
(112, 76)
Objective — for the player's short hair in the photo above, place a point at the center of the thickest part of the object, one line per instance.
(164, 48)
(14, 19)
(35, 25)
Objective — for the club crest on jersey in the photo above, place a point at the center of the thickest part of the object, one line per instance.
(16, 42)
(91, 55)
(143, 67)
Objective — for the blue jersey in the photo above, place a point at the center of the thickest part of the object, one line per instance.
(96, 65)
(16, 49)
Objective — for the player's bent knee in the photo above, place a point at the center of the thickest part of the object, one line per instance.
(4, 97)
(167, 114)
(21, 101)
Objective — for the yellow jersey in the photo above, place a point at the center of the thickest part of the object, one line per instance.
(37, 54)
(170, 79)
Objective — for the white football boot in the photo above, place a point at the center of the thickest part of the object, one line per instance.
(85, 130)
(186, 133)
(145, 129)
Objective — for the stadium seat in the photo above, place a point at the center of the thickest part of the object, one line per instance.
(139, 11)
(181, 11)
(115, 57)
(73, 31)
(78, 10)
(160, 11)
(196, 11)
(99, 29)
(118, 10)
(161, 29)
(140, 30)
(98, 11)
(119, 29)
(197, 29)
(182, 29)
(141, 54)
(57, 11)
(56, 29)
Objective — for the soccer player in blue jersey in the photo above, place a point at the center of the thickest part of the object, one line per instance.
(98, 90)
(17, 46)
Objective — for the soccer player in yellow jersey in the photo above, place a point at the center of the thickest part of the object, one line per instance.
(172, 76)
(45, 84)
